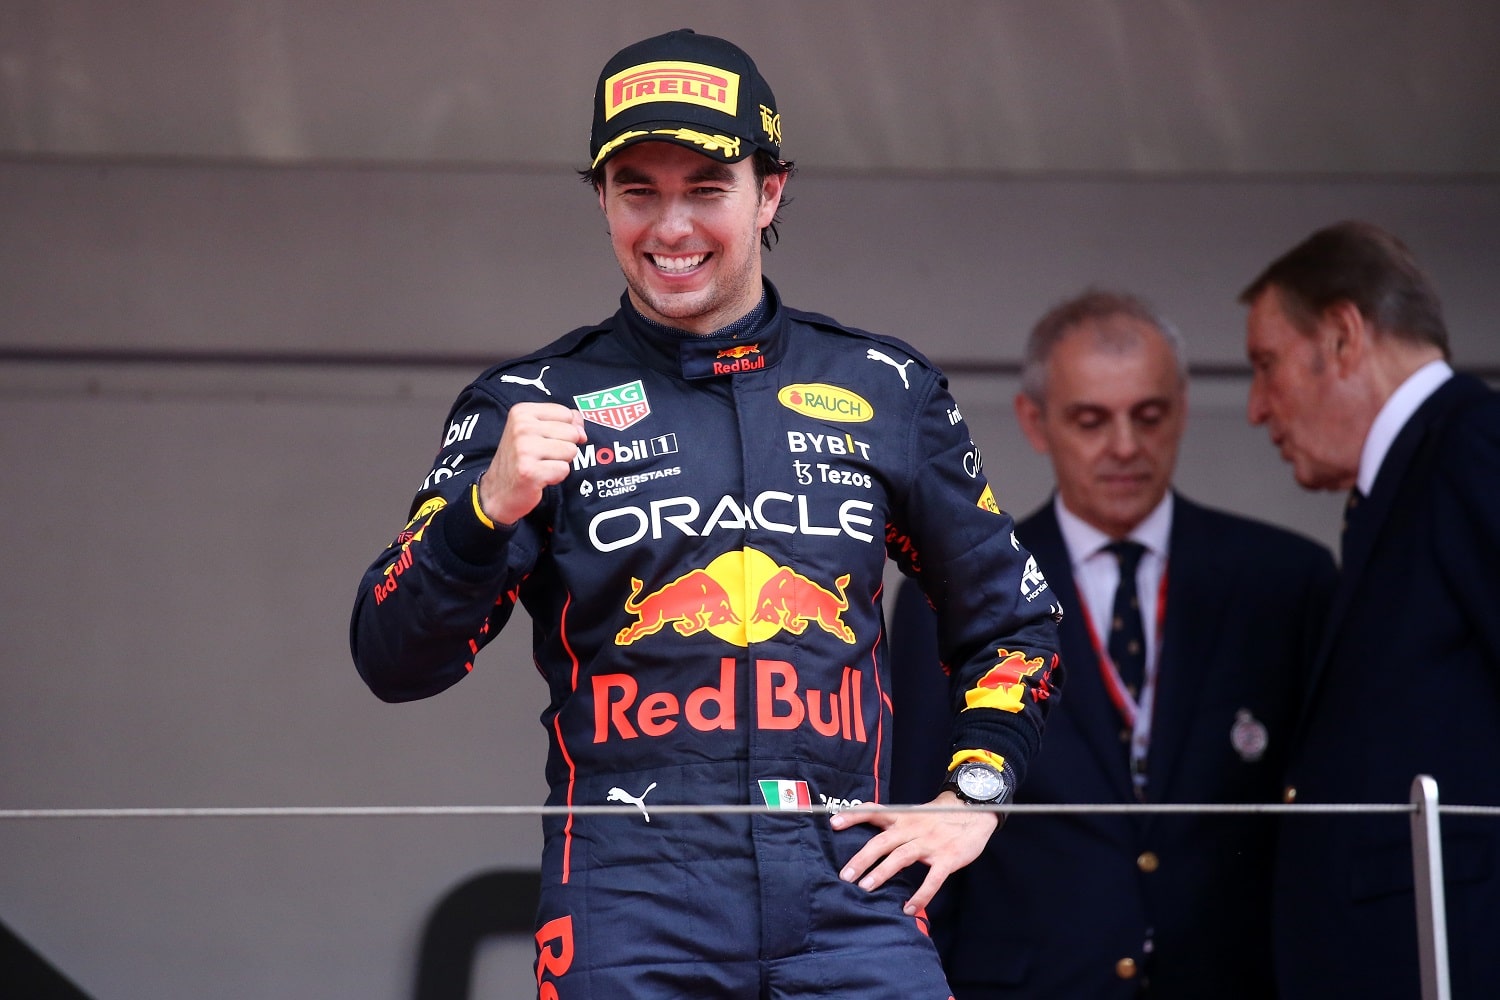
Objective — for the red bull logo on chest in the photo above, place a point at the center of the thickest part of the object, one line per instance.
(783, 701)
(741, 597)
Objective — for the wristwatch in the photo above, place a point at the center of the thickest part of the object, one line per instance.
(979, 783)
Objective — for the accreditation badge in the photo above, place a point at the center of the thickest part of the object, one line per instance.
(1248, 736)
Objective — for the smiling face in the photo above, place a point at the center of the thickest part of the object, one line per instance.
(1111, 419)
(686, 231)
(1296, 391)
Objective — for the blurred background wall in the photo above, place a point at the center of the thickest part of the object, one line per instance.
(251, 249)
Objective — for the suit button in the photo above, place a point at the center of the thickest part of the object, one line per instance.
(1126, 736)
(1148, 862)
(1289, 795)
(1125, 968)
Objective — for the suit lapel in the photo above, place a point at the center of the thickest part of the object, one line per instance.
(1088, 704)
(1196, 602)
(1400, 473)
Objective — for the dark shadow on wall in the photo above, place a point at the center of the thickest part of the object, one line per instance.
(487, 905)
(24, 973)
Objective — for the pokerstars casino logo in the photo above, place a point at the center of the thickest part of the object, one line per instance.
(826, 402)
(617, 407)
(601, 457)
(717, 599)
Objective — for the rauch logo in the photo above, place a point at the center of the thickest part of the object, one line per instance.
(826, 402)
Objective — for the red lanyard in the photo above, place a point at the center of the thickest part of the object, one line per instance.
(1124, 703)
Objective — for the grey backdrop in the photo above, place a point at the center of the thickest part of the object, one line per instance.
(223, 221)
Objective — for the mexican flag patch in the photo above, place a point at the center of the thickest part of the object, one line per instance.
(781, 793)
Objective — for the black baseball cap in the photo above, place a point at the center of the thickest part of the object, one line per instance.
(695, 90)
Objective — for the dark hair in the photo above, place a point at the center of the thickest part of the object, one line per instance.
(765, 165)
(1361, 263)
(1091, 306)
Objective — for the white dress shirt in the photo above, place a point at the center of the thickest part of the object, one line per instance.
(1405, 401)
(1097, 572)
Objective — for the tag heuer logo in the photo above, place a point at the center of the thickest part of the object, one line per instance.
(616, 408)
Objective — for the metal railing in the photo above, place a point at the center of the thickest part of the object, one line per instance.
(1423, 809)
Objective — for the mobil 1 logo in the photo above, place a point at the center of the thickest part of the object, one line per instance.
(623, 452)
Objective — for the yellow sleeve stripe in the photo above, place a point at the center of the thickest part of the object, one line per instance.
(984, 756)
(479, 508)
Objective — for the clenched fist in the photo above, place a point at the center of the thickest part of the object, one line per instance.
(536, 450)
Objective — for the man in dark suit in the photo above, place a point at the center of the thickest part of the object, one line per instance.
(1185, 632)
(1351, 378)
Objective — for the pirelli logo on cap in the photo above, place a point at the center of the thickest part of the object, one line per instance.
(680, 82)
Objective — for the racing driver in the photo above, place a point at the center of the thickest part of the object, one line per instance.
(694, 501)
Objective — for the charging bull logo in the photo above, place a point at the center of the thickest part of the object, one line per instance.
(741, 597)
(740, 360)
(1004, 685)
(792, 600)
(692, 603)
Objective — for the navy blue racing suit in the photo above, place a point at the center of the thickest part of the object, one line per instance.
(705, 597)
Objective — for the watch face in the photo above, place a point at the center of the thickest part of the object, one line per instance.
(980, 783)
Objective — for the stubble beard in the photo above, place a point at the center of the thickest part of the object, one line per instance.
(721, 302)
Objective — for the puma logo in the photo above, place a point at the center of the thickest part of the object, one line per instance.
(536, 381)
(618, 794)
(886, 359)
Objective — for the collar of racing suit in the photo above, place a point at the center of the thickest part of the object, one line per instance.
(750, 343)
